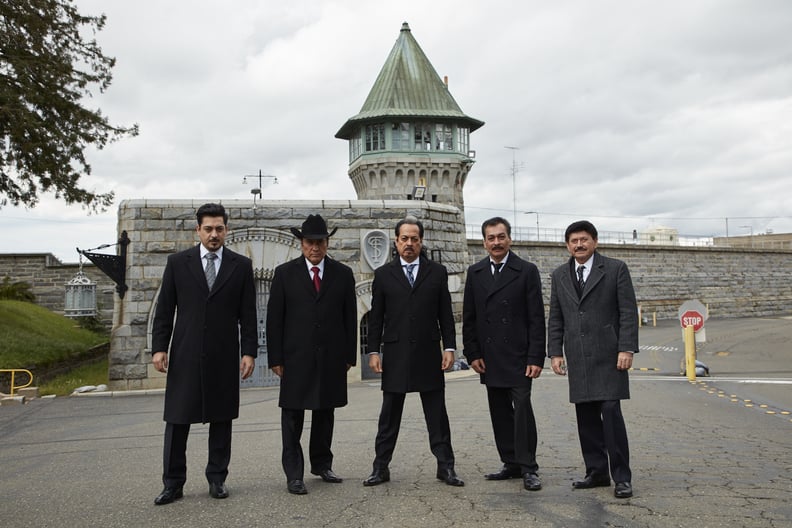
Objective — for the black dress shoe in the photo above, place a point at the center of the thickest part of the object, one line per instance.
(450, 477)
(378, 476)
(592, 481)
(504, 473)
(329, 476)
(296, 487)
(623, 490)
(531, 482)
(168, 495)
(218, 490)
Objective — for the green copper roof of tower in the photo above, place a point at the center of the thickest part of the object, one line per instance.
(408, 87)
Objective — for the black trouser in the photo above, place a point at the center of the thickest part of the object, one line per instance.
(174, 456)
(436, 418)
(319, 452)
(514, 426)
(603, 439)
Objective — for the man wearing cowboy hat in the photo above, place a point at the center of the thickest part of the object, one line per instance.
(311, 343)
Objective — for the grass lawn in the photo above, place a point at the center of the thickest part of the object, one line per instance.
(91, 374)
(34, 338)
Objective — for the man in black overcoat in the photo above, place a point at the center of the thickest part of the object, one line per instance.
(593, 322)
(410, 313)
(211, 292)
(503, 330)
(311, 344)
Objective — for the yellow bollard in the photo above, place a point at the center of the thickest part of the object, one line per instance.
(690, 352)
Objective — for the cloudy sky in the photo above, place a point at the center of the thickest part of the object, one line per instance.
(631, 113)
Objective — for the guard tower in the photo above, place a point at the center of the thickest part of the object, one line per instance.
(410, 139)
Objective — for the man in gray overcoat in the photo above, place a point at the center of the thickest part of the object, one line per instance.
(311, 344)
(593, 321)
(211, 292)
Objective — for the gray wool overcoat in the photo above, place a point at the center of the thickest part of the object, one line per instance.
(592, 329)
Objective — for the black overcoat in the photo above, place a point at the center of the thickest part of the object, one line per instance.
(503, 322)
(313, 336)
(210, 333)
(410, 322)
(592, 329)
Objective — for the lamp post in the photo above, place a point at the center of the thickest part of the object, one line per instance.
(256, 192)
(537, 221)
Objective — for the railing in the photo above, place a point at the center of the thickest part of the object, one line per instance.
(13, 374)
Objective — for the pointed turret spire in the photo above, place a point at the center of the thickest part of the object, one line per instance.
(408, 86)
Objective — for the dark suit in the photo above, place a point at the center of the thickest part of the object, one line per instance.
(314, 337)
(504, 325)
(210, 332)
(409, 323)
(590, 328)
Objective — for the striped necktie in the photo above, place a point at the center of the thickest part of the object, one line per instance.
(210, 271)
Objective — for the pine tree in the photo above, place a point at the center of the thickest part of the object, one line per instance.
(49, 64)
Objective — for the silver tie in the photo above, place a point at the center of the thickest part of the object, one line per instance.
(410, 277)
(211, 272)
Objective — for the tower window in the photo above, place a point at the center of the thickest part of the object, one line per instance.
(423, 136)
(375, 137)
(463, 140)
(444, 139)
(400, 136)
(355, 146)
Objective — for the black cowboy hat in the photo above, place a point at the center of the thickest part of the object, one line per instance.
(314, 228)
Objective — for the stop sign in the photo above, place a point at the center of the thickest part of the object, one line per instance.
(692, 318)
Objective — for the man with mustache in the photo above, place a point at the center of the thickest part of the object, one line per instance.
(211, 292)
(593, 322)
(311, 344)
(503, 329)
(410, 313)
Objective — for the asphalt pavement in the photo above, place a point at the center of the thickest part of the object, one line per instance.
(710, 453)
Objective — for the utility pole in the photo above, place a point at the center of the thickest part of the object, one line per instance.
(514, 186)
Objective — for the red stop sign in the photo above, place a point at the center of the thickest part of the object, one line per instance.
(692, 318)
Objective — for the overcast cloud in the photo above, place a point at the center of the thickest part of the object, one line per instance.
(632, 113)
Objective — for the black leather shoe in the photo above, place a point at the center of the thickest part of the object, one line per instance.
(378, 476)
(450, 477)
(218, 490)
(592, 481)
(504, 473)
(531, 482)
(168, 495)
(329, 476)
(296, 487)
(623, 490)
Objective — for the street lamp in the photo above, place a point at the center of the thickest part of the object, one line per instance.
(537, 221)
(256, 192)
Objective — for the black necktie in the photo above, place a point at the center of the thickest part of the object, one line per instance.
(581, 282)
(497, 267)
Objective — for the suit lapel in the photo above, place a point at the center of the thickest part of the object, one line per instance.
(196, 267)
(509, 273)
(327, 277)
(568, 287)
(595, 275)
(424, 270)
(398, 273)
(227, 267)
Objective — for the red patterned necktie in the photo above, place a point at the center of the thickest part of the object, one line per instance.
(317, 281)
